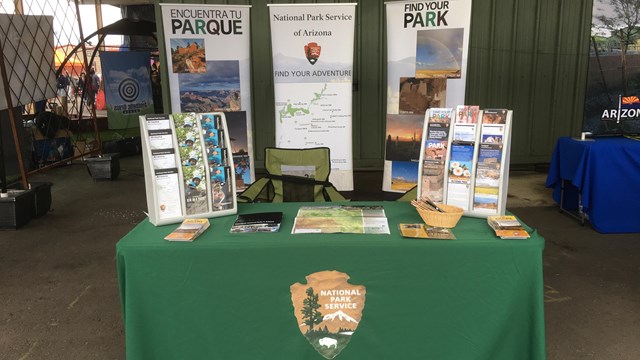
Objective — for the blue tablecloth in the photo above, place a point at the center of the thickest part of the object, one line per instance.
(606, 173)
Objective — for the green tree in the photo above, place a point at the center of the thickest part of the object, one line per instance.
(625, 26)
(310, 313)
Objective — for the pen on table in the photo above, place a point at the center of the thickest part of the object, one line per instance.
(432, 204)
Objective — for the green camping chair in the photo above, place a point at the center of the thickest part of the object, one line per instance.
(294, 175)
(411, 194)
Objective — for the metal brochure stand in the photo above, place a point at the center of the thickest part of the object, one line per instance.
(485, 186)
(188, 167)
(490, 186)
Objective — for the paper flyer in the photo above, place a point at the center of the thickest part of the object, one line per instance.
(460, 170)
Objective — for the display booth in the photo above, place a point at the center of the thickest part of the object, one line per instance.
(188, 167)
(464, 159)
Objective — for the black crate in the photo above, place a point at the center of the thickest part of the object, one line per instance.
(104, 167)
(41, 197)
(16, 209)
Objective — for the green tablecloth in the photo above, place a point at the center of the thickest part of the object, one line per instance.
(226, 296)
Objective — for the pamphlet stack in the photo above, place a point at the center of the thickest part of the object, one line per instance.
(507, 227)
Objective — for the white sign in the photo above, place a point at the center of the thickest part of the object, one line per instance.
(312, 48)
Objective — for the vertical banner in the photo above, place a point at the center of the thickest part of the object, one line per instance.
(127, 87)
(312, 46)
(208, 59)
(427, 44)
(612, 99)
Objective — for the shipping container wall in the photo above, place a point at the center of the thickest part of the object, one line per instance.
(530, 56)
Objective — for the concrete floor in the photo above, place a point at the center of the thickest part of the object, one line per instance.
(59, 295)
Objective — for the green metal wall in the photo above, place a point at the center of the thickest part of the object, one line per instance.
(526, 55)
(531, 56)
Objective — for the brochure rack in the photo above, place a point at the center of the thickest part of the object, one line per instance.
(476, 162)
(188, 167)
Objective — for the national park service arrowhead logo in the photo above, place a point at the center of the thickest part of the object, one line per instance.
(328, 310)
(312, 52)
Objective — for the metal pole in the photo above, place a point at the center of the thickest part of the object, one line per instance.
(87, 67)
(14, 130)
(3, 173)
(19, 8)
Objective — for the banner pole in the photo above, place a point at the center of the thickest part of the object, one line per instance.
(14, 130)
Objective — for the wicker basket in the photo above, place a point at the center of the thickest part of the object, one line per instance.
(447, 219)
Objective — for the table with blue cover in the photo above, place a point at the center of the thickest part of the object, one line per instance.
(227, 296)
(600, 176)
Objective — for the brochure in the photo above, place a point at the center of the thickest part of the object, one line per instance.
(504, 222)
(350, 219)
(436, 139)
(467, 114)
(440, 233)
(165, 165)
(413, 230)
(189, 230)
(507, 227)
(257, 222)
(461, 166)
